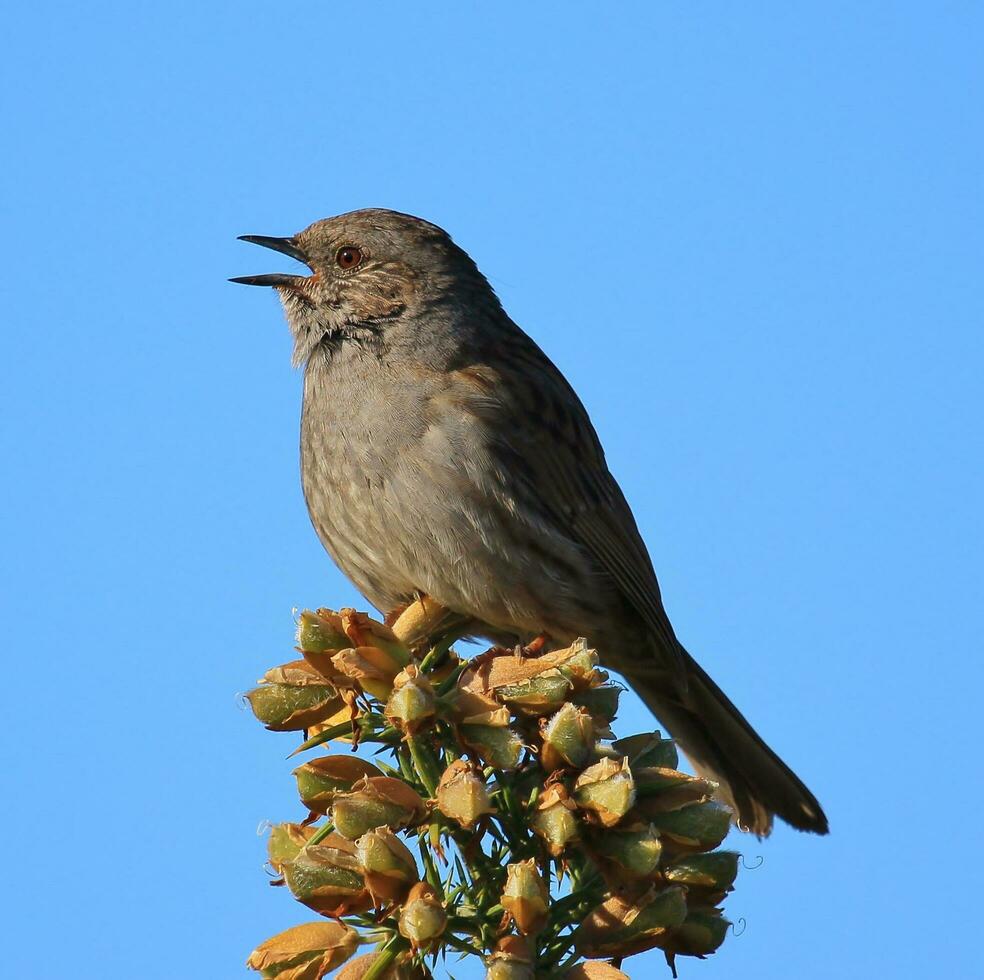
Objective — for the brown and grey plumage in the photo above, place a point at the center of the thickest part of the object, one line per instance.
(443, 453)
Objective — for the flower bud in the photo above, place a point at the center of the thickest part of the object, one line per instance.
(388, 866)
(606, 790)
(462, 794)
(422, 918)
(286, 839)
(555, 820)
(700, 827)
(622, 927)
(319, 780)
(526, 897)
(304, 952)
(376, 801)
(326, 877)
(511, 960)
(636, 853)
(568, 738)
(292, 697)
(715, 871)
(412, 703)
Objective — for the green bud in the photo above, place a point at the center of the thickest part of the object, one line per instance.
(321, 631)
(536, 695)
(293, 697)
(606, 790)
(700, 935)
(661, 789)
(326, 877)
(499, 746)
(650, 749)
(635, 852)
(700, 827)
(716, 870)
(320, 780)
(286, 839)
(378, 801)
(568, 739)
(601, 702)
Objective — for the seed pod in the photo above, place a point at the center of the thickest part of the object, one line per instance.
(620, 927)
(286, 839)
(537, 695)
(555, 820)
(715, 871)
(376, 801)
(606, 790)
(701, 934)
(511, 960)
(364, 631)
(422, 918)
(412, 703)
(650, 749)
(526, 897)
(601, 702)
(305, 952)
(387, 864)
(321, 631)
(292, 697)
(568, 738)
(326, 877)
(659, 789)
(320, 780)
(498, 746)
(462, 794)
(700, 827)
(579, 664)
(635, 853)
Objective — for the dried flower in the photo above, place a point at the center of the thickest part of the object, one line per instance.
(568, 739)
(292, 697)
(286, 839)
(305, 952)
(606, 790)
(511, 959)
(526, 897)
(327, 877)
(621, 927)
(422, 919)
(555, 819)
(387, 864)
(412, 703)
(462, 794)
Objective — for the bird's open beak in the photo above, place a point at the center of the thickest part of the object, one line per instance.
(288, 246)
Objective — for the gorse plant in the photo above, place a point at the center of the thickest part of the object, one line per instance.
(497, 817)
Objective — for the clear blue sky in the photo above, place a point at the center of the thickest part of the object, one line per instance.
(752, 237)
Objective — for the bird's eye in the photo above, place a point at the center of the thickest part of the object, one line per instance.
(348, 257)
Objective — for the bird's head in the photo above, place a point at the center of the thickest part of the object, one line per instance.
(366, 269)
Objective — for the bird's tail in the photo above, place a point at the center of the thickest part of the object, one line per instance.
(724, 747)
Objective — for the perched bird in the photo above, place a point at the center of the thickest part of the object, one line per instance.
(442, 453)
